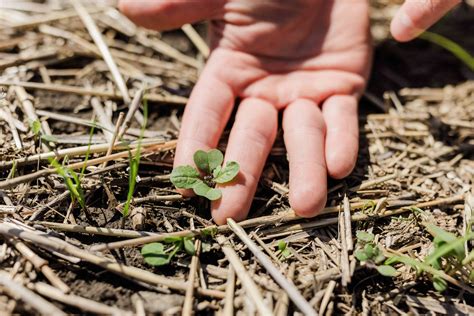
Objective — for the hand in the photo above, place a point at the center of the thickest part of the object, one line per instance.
(415, 16)
(308, 58)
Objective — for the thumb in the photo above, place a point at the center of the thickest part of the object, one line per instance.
(170, 14)
(415, 16)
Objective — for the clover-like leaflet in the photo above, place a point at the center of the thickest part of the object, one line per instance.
(210, 164)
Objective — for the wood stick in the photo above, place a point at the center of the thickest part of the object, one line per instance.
(284, 302)
(18, 291)
(327, 297)
(189, 296)
(141, 275)
(103, 48)
(134, 106)
(76, 151)
(7, 116)
(171, 99)
(196, 39)
(45, 19)
(279, 278)
(165, 49)
(344, 257)
(40, 264)
(97, 161)
(282, 217)
(114, 137)
(229, 293)
(102, 231)
(79, 302)
(247, 282)
(348, 224)
(103, 119)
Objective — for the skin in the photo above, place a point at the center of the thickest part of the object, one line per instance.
(415, 16)
(309, 59)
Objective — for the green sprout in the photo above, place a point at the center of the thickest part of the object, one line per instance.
(451, 46)
(368, 251)
(283, 248)
(209, 163)
(72, 181)
(448, 255)
(135, 163)
(35, 127)
(71, 178)
(156, 254)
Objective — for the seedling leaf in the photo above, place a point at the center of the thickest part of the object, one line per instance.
(49, 138)
(361, 255)
(364, 236)
(228, 173)
(173, 240)
(208, 161)
(185, 177)
(154, 254)
(369, 250)
(36, 127)
(216, 171)
(210, 232)
(202, 189)
(189, 246)
(281, 245)
(387, 271)
(440, 284)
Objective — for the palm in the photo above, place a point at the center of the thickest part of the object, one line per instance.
(309, 58)
(299, 49)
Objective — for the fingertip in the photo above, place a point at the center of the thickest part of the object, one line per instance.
(341, 161)
(402, 27)
(308, 200)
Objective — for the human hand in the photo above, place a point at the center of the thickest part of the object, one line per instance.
(415, 16)
(308, 58)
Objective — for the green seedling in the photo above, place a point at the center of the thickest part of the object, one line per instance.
(135, 163)
(72, 181)
(71, 178)
(451, 46)
(157, 254)
(283, 248)
(38, 134)
(210, 164)
(368, 251)
(448, 255)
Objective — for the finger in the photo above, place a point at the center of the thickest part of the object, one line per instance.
(170, 14)
(205, 115)
(250, 142)
(415, 16)
(304, 133)
(342, 134)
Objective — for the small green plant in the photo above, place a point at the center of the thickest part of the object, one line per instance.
(71, 178)
(35, 127)
(210, 164)
(283, 248)
(370, 253)
(72, 181)
(157, 254)
(447, 257)
(451, 46)
(135, 163)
